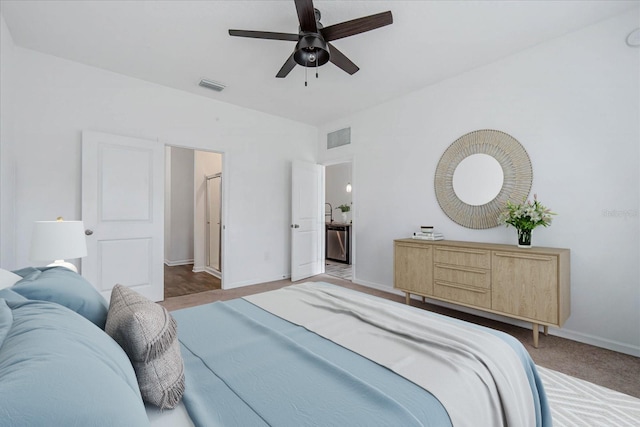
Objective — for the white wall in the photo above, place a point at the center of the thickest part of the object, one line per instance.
(336, 179)
(574, 104)
(179, 225)
(55, 99)
(7, 160)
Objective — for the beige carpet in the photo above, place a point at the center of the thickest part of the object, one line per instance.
(578, 403)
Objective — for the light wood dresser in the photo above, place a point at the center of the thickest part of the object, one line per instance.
(527, 284)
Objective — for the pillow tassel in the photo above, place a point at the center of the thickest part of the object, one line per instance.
(162, 342)
(173, 396)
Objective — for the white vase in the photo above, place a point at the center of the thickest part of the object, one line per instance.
(344, 217)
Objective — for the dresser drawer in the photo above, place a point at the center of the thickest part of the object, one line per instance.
(461, 294)
(468, 257)
(467, 285)
(465, 276)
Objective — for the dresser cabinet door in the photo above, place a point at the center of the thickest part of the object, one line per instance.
(525, 285)
(413, 269)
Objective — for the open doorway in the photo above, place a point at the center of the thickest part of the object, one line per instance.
(193, 248)
(339, 221)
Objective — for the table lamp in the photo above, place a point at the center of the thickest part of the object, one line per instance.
(58, 240)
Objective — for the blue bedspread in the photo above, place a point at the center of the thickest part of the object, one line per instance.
(247, 367)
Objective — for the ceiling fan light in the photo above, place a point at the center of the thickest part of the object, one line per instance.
(311, 51)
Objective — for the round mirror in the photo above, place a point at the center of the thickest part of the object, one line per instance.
(489, 167)
(478, 179)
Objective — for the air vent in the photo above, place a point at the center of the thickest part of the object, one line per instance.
(338, 138)
(210, 84)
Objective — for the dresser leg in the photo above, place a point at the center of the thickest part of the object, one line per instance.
(423, 300)
(407, 298)
(546, 330)
(536, 332)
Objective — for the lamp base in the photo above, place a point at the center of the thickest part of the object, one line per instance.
(63, 263)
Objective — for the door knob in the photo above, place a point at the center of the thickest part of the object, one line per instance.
(295, 226)
(88, 232)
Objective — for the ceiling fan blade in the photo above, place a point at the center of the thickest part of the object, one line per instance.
(341, 61)
(287, 67)
(356, 26)
(306, 16)
(264, 35)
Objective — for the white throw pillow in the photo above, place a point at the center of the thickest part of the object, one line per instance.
(8, 279)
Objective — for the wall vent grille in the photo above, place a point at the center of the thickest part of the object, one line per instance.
(338, 138)
(210, 84)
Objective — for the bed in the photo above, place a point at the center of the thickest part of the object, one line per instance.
(312, 354)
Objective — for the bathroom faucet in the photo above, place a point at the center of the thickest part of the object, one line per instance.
(330, 212)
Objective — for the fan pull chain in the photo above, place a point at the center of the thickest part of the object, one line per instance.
(305, 73)
(317, 69)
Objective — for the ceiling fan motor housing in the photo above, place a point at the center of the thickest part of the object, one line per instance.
(311, 51)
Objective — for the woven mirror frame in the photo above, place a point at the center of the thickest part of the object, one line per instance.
(516, 167)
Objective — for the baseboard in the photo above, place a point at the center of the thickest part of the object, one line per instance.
(213, 272)
(597, 341)
(559, 332)
(175, 263)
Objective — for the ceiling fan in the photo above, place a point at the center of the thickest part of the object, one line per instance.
(313, 47)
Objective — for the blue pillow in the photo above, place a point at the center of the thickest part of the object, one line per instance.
(65, 287)
(59, 369)
(10, 295)
(6, 320)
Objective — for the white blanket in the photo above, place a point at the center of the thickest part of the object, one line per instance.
(476, 376)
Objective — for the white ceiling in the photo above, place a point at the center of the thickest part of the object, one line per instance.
(176, 43)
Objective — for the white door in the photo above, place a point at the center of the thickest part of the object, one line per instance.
(123, 212)
(307, 220)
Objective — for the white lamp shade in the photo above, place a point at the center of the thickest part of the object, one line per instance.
(58, 240)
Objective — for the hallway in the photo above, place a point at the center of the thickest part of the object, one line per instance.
(181, 280)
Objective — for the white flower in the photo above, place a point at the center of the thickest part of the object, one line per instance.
(526, 216)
